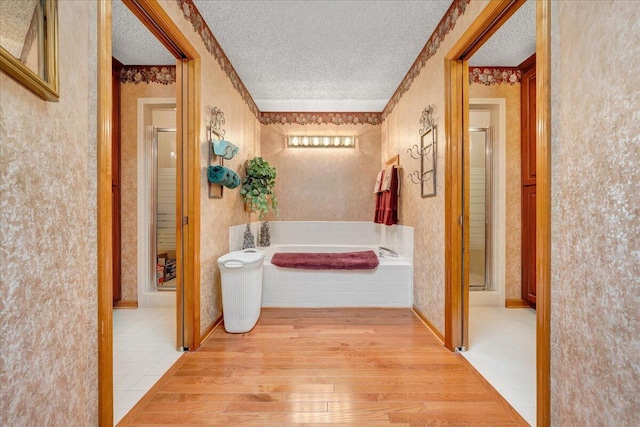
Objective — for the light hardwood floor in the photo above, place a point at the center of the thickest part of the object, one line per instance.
(355, 367)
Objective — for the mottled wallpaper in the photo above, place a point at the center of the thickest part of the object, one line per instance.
(513, 219)
(323, 184)
(595, 281)
(129, 94)
(48, 281)
(242, 129)
(400, 130)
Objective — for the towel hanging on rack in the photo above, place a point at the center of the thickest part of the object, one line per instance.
(223, 176)
(378, 186)
(225, 149)
(387, 200)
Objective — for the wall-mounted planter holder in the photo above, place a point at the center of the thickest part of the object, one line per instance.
(215, 133)
(427, 154)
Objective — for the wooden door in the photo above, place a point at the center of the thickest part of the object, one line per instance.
(528, 163)
(115, 180)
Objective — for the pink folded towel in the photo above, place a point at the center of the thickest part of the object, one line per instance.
(364, 260)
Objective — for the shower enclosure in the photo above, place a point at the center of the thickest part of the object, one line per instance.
(163, 203)
(480, 178)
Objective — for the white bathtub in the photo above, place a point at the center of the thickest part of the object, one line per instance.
(389, 285)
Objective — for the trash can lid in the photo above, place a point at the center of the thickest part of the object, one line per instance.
(247, 256)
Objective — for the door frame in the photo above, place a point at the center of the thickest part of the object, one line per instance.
(154, 17)
(457, 195)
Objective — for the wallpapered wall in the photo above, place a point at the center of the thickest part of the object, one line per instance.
(129, 94)
(400, 130)
(323, 184)
(511, 94)
(48, 243)
(243, 129)
(595, 321)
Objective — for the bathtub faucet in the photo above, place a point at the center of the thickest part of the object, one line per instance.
(390, 252)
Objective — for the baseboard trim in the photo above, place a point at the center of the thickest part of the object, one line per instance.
(517, 303)
(126, 304)
(210, 329)
(428, 324)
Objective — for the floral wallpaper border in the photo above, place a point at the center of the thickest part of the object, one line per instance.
(192, 14)
(321, 118)
(448, 21)
(445, 25)
(494, 75)
(163, 74)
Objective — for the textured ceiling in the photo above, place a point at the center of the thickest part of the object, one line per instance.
(321, 55)
(133, 44)
(514, 42)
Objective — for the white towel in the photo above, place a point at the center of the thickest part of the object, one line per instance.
(386, 182)
(376, 188)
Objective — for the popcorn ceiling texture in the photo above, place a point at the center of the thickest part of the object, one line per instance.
(595, 283)
(323, 184)
(399, 132)
(48, 242)
(129, 94)
(243, 129)
(513, 223)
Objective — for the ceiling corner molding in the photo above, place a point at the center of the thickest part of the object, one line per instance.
(192, 14)
(494, 75)
(272, 118)
(446, 24)
(163, 74)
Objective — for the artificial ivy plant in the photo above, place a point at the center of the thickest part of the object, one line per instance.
(257, 187)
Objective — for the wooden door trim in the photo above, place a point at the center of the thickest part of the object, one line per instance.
(153, 16)
(543, 211)
(104, 219)
(456, 119)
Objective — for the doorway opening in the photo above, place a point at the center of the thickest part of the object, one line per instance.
(153, 16)
(457, 218)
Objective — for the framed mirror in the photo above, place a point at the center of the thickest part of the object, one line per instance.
(29, 44)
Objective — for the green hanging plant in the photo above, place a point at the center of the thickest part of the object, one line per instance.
(257, 187)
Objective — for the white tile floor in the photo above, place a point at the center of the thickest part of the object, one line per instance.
(502, 347)
(144, 348)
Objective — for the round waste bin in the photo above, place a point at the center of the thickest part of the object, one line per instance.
(241, 274)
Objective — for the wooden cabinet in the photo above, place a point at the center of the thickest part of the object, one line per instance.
(528, 105)
(529, 243)
(528, 174)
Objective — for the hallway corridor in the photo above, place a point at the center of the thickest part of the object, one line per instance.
(370, 367)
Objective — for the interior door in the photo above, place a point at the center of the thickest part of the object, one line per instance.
(115, 179)
(528, 163)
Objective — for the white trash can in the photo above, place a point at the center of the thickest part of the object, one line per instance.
(241, 274)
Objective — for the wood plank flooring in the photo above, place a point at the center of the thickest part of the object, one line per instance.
(316, 367)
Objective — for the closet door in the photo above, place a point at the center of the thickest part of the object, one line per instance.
(529, 244)
(528, 163)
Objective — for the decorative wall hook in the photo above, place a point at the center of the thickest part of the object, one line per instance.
(426, 153)
(215, 123)
(427, 120)
(426, 176)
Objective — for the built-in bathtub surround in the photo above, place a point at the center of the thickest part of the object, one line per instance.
(390, 285)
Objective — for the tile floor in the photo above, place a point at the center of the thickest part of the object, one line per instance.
(143, 350)
(502, 347)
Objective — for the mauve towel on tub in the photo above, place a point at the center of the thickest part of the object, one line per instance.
(365, 260)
